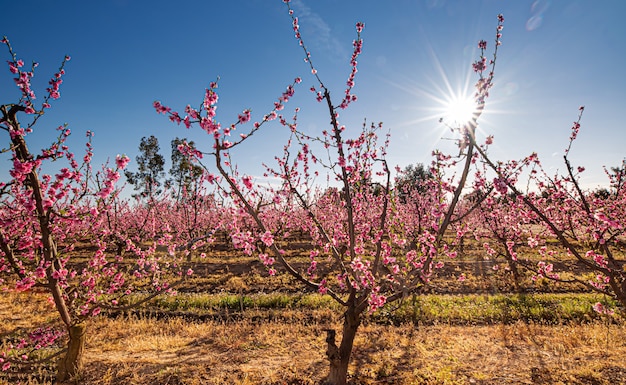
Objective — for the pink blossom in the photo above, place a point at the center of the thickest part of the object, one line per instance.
(322, 289)
(480, 65)
(161, 109)
(25, 284)
(601, 309)
(266, 259)
(500, 185)
(12, 67)
(40, 272)
(247, 181)
(597, 258)
(121, 161)
(244, 117)
(376, 300)
(267, 239)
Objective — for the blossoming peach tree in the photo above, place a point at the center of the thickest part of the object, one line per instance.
(361, 255)
(44, 216)
(589, 227)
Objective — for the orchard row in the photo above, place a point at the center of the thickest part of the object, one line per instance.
(375, 234)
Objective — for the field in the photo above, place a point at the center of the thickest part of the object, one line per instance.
(230, 324)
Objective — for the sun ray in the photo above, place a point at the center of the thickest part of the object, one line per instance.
(448, 98)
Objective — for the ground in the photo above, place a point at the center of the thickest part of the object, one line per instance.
(262, 345)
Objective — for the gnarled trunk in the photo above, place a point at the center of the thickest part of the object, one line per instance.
(339, 357)
(71, 364)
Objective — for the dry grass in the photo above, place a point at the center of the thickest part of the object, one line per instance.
(177, 352)
(143, 350)
(23, 310)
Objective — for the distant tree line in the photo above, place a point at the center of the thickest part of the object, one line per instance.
(149, 179)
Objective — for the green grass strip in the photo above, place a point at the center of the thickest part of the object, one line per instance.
(428, 309)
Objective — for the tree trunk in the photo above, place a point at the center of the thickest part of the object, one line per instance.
(339, 357)
(70, 365)
(513, 266)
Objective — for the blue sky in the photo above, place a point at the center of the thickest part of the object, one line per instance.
(555, 56)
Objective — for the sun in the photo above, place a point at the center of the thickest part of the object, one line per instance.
(459, 109)
(448, 99)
